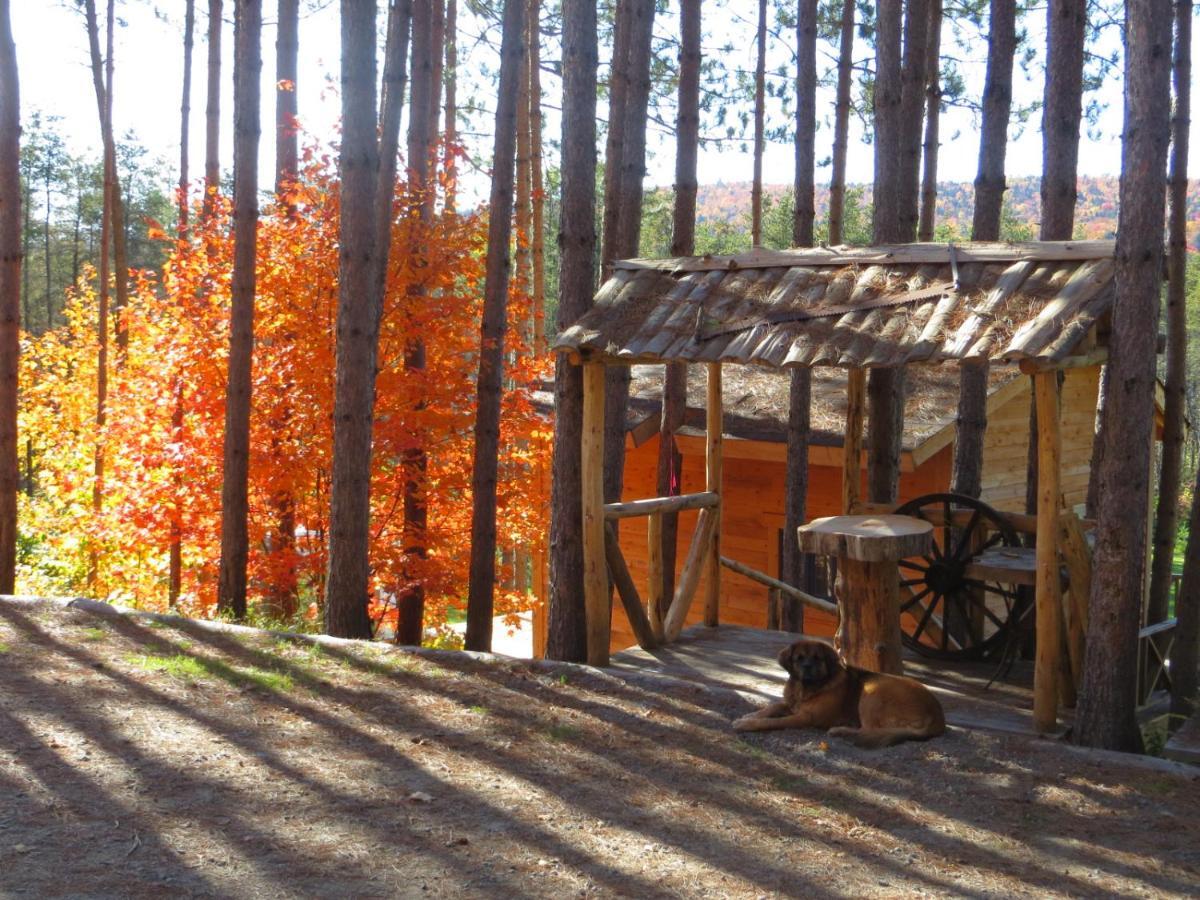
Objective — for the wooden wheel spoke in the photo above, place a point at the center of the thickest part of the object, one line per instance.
(965, 540)
(991, 542)
(915, 599)
(907, 564)
(926, 617)
(947, 531)
(945, 623)
(911, 582)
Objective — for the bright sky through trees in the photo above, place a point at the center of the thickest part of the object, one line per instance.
(51, 48)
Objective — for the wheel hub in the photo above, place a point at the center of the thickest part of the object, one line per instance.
(945, 577)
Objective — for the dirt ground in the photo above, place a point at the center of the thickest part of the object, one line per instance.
(140, 758)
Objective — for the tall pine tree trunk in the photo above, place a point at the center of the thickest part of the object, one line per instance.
(10, 297)
(933, 111)
(760, 101)
(566, 627)
(247, 67)
(1062, 108)
(967, 474)
(491, 338)
(212, 110)
(800, 388)
(841, 126)
(1107, 698)
(450, 161)
(175, 537)
(538, 220)
(885, 387)
(912, 103)
(1167, 514)
(683, 243)
(280, 593)
(421, 138)
(627, 202)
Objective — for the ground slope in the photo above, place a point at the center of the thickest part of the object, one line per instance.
(142, 758)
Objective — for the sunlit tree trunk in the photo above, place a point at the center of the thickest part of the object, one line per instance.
(683, 243)
(566, 626)
(933, 112)
(791, 616)
(450, 78)
(280, 593)
(912, 103)
(841, 126)
(421, 137)
(491, 338)
(885, 387)
(967, 474)
(212, 109)
(1107, 698)
(537, 221)
(1167, 514)
(10, 297)
(175, 538)
(247, 67)
(627, 201)
(760, 100)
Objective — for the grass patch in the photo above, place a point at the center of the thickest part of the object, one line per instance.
(479, 710)
(4, 648)
(93, 634)
(181, 666)
(562, 732)
(277, 682)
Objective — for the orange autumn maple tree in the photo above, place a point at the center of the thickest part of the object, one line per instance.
(158, 476)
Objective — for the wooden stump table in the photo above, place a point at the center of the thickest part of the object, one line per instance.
(867, 549)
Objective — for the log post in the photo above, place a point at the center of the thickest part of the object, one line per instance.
(654, 566)
(596, 596)
(1049, 588)
(856, 393)
(618, 572)
(715, 423)
(868, 549)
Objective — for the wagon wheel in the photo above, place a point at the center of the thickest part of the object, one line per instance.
(944, 613)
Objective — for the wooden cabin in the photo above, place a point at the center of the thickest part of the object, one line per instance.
(755, 402)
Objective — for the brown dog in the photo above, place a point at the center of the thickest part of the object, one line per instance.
(870, 709)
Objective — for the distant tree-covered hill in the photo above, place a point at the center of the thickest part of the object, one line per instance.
(728, 204)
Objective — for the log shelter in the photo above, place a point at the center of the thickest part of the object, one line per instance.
(1041, 306)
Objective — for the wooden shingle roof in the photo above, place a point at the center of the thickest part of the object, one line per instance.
(869, 306)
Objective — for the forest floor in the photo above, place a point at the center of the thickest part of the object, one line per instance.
(145, 758)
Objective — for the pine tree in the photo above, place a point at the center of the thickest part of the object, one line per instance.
(10, 297)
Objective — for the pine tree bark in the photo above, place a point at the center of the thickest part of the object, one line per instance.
(912, 103)
(247, 68)
(185, 113)
(421, 140)
(450, 161)
(360, 264)
(760, 100)
(1185, 658)
(800, 386)
(491, 338)
(683, 243)
(538, 223)
(287, 50)
(841, 126)
(933, 112)
(885, 387)
(967, 473)
(212, 111)
(1107, 698)
(10, 297)
(175, 538)
(627, 202)
(566, 627)
(1166, 519)
(1062, 110)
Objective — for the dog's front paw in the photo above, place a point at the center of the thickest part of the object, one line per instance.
(745, 723)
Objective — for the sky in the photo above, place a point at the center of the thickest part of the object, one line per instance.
(53, 60)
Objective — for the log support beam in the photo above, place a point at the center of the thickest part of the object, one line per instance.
(1049, 586)
(856, 395)
(595, 566)
(715, 423)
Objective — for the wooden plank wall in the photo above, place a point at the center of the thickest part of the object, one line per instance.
(1006, 444)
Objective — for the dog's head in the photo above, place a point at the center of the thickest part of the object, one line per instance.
(812, 663)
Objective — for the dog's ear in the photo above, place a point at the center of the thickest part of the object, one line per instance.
(833, 661)
(785, 658)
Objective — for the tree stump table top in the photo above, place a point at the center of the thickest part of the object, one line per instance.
(867, 538)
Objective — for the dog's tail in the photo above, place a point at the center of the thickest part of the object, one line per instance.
(876, 738)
